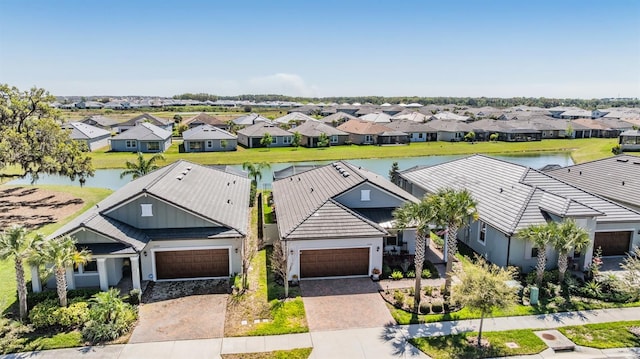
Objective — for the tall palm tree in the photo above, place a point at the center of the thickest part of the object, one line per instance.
(454, 209)
(255, 170)
(15, 243)
(141, 166)
(419, 215)
(540, 235)
(61, 253)
(569, 237)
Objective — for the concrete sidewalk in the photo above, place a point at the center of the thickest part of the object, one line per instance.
(367, 343)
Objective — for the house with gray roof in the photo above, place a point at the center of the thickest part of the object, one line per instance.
(616, 178)
(181, 221)
(311, 131)
(206, 119)
(337, 119)
(371, 133)
(511, 197)
(336, 220)
(207, 138)
(103, 122)
(417, 131)
(630, 140)
(250, 119)
(450, 131)
(250, 137)
(93, 137)
(293, 119)
(377, 117)
(145, 138)
(162, 123)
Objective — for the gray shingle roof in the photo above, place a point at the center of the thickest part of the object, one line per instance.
(409, 126)
(299, 196)
(204, 118)
(315, 128)
(338, 117)
(144, 132)
(207, 132)
(82, 131)
(100, 120)
(250, 119)
(511, 196)
(617, 178)
(293, 116)
(147, 118)
(260, 128)
(377, 117)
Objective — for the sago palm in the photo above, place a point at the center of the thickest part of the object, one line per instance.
(418, 215)
(61, 253)
(141, 166)
(15, 243)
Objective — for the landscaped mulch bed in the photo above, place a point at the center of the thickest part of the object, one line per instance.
(431, 299)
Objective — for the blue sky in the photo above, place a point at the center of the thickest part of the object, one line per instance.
(585, 49)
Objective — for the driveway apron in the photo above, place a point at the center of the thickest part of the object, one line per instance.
(334, 304)
(191, 315)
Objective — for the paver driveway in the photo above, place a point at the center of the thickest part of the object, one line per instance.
(333, 304)
(182, 310)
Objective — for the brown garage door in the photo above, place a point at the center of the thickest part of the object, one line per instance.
(192, 264)
(334, 262)
(612, 243)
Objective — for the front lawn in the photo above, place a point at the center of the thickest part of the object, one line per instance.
(302, 353)
(604, 335)
(458, 346)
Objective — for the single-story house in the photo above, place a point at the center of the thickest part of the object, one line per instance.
(630, 140)
(417, 131)
(593, 128)
(449, 130)
(250, 137)
(293, 119)
(511, 197)
(142, 138)
(377, 117)
(206, 119)
(103, 122)
(616, 178)
(93, 137)
(336, 220)
(89, 105)
(162, 123)
(337, 119)
(182, 221)
(414, 116)
(250, 119)
(311, 131)
(207, 138)
(371, 133)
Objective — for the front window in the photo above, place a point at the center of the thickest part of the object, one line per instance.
(87, 268)
(130, 144)
(153, 146)
(286, 140)
(195, 146)
(209, 143)
(334, 139)
(368, 138)
(483, 232)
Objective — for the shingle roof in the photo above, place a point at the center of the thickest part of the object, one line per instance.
(204, 118)
(315, 128)
(362, 127)
(411, 116)
(293, 116)
(82, 131)
(512, 196)
(260, 128)
(207, 132)
(338, 117)
(449, 126)
(101, 120)
(379, 117)
(617, 178)
(250, 119)
(298, 197)
(408, 126)
(144, 132)
(147, 118)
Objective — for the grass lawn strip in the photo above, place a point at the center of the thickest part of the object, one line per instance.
(457, 346)
(301, 353)
(603, 335)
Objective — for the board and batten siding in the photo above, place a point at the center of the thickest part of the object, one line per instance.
(164, 215)
(378, 198)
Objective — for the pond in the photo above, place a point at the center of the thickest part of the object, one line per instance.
(110, 178)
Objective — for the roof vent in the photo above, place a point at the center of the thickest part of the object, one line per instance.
(311, 189)
(623, 183)
(580, 173)
(180, 177)
(229, 201)
(345, 174)
(189, 168)
(185, 172)
(622, 160)
(636, 163)
(501, 190)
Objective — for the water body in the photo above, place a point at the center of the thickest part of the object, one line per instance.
(110, 178)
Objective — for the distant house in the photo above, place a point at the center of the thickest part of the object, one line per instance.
(371, 133)
(206, 119)
(337, 119)
(250, 137)
(575, 114)
(377, 117)
(630, 140)
(142, 138)
(311, 131)
(450, 130)
(293, 119)
(207, 138)
(450, 116)
(411, 116)
(250, 119)
(93, 137)
(417, 131)
(593, 128)
(103, 122)
(89, 105)
(162, 123)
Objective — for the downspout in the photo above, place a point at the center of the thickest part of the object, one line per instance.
(508, 249)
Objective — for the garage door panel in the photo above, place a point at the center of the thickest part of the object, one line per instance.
(334, 262)
(612, 243)
(192, 263)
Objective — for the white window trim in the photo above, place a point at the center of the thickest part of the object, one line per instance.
(334, 139)
(82, 272)
(130, 144)
(480, 231)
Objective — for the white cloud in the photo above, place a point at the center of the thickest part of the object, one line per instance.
(281, 83)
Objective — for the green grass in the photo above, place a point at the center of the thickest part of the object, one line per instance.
(288, 317)
(267, 211)
(457, 346)
(301, 353)
(604, 335)
(581, 149)
(56, 341)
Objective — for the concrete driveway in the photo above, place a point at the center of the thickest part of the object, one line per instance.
(181, 310)
(334, 304)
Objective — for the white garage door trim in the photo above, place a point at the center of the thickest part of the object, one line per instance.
(297, 256)
(176, 249)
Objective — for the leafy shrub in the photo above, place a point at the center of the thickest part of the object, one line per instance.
(84, 293)
(437, 307)
(551, 290)
(616, 150)
(396, 275)
(592, 289)
(425, 308)
(548, 277)
(49, 314)
(428, 290)
(411, 274)
(12, 335)
(412, 291)
(386, 271)
(110, 317)
(398, 296)
(134, 296)
(426, 273)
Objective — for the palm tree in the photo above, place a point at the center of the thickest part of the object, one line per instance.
(453, 209)
(255, 170)
(540, 235)
(61, 253)
(15, 243)
(569, 237)
(141, 166)
(419, 215)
